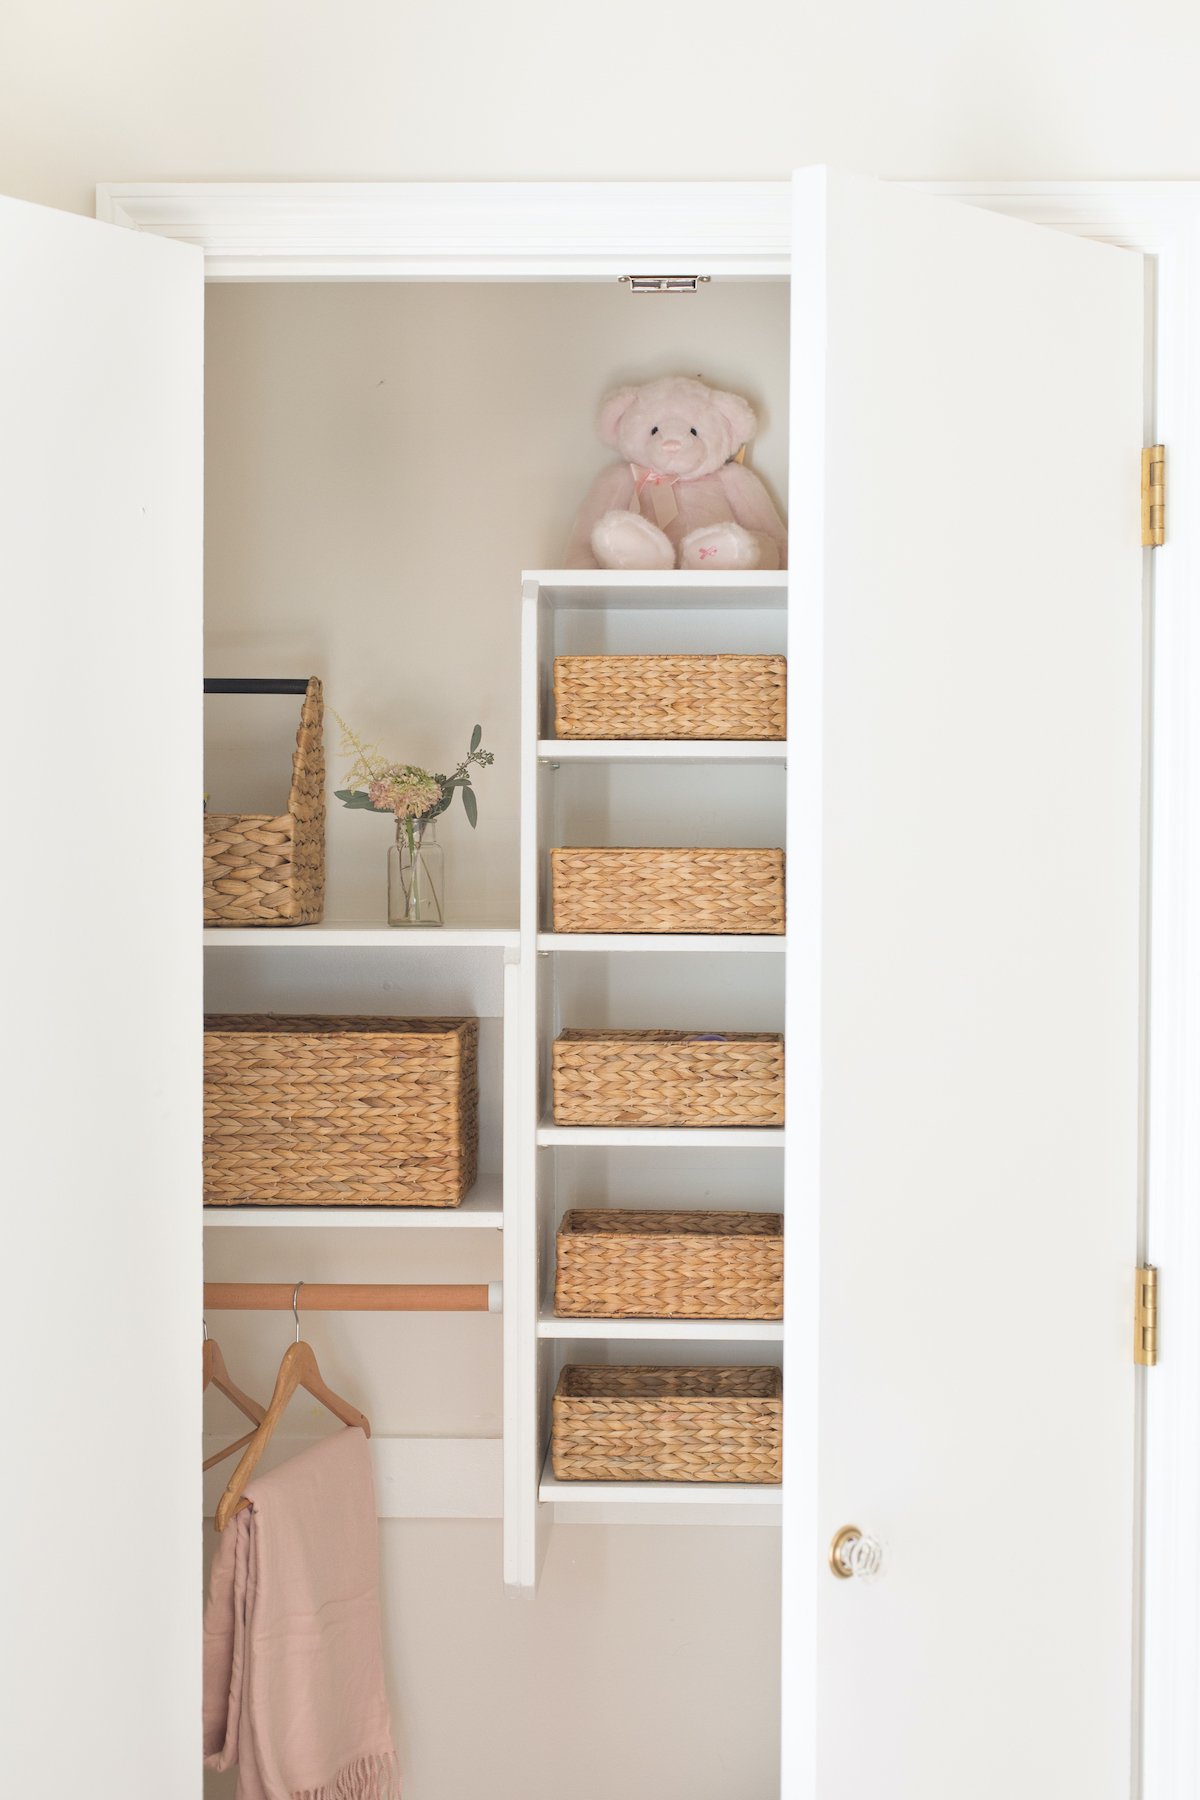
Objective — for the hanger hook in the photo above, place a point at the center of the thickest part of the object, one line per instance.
(204, 1326)
(296, 1307)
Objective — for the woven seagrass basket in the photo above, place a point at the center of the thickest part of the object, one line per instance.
(710, 892)
(650, 1424)
(264, 869)
(669, 1265)
(308, 1111)
(670, 697)
(665, 1078)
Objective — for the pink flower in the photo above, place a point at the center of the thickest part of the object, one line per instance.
(406, 791)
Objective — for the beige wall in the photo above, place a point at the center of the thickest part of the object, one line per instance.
(94, 90)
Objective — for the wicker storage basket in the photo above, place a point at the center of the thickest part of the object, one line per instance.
(265, 870)
(711, 892)
(669, 1265)
(670, 697)
(302, 1111)
(611, 1077)
(646, 1424)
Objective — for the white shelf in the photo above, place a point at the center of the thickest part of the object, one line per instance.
(639, 750)
(662, 589)
(712, 1331)
(333, 936)
(663, 1137)
(659, 1493)
(482, 1209)
(657, 941)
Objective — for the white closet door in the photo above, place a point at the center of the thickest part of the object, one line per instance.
(966, 679)
(100, 563)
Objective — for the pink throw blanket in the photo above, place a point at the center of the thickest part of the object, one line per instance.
(293, 1663)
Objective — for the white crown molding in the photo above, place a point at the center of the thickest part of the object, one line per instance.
(1136, 215)
(464, 231)
(527, 231)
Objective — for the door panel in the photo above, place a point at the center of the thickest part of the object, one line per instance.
(965, 665)
(100, 564)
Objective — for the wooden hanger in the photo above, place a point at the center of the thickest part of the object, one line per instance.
(297, 1370)
(218, 1376)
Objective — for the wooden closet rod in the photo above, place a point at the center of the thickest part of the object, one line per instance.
(329, 1296)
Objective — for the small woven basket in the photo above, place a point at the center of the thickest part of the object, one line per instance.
(261, 869)
(666, 1078)
(670, 697)
(711, 892)
(652, 1424)
(304, 1111)
(669, 1265)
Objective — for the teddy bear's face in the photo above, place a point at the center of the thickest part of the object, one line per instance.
(676, 427)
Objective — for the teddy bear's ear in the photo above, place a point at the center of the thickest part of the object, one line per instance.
(613, 408)
(738, 415)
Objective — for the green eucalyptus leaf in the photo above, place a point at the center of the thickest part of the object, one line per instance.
(477, 737)
(471, 806)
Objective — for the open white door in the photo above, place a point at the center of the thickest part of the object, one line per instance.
(101, 359)
(965, 675)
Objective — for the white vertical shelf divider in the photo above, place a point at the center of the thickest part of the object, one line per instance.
(520, 1297)
(525, 1520)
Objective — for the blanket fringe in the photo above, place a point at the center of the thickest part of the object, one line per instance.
(366, 1778)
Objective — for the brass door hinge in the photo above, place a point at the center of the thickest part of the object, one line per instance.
(1154, 495)
(1145, 1317)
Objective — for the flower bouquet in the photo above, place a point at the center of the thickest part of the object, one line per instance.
(416, 799)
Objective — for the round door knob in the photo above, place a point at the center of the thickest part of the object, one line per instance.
(852, 1552)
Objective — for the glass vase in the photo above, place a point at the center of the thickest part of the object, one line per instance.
(416, 875)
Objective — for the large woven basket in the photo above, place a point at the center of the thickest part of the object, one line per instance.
(265, 869)
(665, 1078)
(710, 892)
(669, 1265)
(307, 1111)
(649, 1424)
(670, 697)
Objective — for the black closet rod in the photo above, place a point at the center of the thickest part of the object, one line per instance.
(264, 684)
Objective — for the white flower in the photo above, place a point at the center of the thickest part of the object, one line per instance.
(404, 790)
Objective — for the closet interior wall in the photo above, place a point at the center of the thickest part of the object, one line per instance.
(382, 461)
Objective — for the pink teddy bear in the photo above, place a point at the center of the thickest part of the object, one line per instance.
(677, 499)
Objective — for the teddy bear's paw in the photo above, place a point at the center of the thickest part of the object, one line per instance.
(724, 546)
(624, 540)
